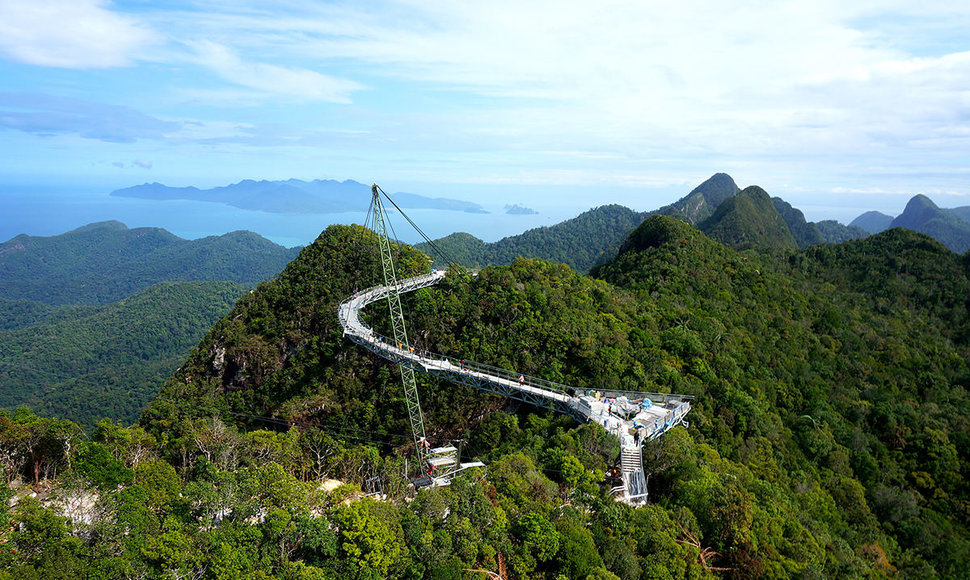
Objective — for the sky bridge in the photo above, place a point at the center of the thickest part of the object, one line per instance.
(633, 417)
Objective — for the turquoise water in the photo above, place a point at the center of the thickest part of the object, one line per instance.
(44, 212)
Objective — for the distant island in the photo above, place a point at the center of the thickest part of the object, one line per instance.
(293, 196)
(516, 209)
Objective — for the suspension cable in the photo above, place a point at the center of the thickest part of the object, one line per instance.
(431, 243)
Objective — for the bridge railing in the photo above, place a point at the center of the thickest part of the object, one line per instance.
(465, 366)
(655, 397)
(490, 372)
(505, 374)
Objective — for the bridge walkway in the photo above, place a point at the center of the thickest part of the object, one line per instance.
(631, 416)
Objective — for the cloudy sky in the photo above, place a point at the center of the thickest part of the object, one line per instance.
(824, 102)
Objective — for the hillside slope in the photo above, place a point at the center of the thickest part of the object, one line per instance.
(873, 222)
(87, 363)
(581, 242)
(821, 403)
(749, 220)
(105, 262)
(280, 351)
(820, 367)
(806, 234)
(922, 215)
(703, 200)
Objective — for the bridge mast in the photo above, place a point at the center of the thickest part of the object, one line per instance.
(397, 324)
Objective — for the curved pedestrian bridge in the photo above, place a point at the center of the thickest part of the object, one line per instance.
(633, 417)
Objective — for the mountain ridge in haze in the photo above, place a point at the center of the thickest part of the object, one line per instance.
(873, 222)
(293, 196)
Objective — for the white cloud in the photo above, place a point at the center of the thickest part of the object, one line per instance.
(77, 34)
(41, 114)
(628, 76)
(200, 131)
(295, 83)
(757, 78)
(566, 91)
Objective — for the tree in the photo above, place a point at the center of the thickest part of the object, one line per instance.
(370, 535)
(97, 464)
(46, 442)
(131, 445)
(174, 553)
(218, 442)
(12, 447)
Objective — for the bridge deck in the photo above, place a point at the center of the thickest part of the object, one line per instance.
(632, 417)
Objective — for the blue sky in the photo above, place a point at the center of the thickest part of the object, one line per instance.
(835, 106)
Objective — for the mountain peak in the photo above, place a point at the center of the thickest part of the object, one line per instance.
(920, 201)
(749, 220)
(656, 231)
(717, 188)
(924, 216)
(703, 200)
(919, 210)
(873, 222)
(105, 225)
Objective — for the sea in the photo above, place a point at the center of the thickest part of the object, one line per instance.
(47, 211)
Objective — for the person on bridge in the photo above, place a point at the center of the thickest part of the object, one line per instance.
(521, 379)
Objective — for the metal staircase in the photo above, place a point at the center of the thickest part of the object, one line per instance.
(631, 462)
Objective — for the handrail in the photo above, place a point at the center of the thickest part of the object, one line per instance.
(578, 402)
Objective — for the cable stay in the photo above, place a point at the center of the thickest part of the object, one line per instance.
(633, 417)
(440, 463)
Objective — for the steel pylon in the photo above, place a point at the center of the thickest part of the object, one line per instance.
(397, 324)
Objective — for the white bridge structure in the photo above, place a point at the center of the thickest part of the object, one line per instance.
(633, 417)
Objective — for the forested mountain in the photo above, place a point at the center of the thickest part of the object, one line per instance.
(90, 326)
(873, 222)
(582, 242)
(591, 238)
(594, 236)
(836, 233)
(829, 437)
(827, 387)
(922, 215)
(950, 226)
(962, 212)
(748, 220)
(806, 234)
(85, 363)
(105, 262)
(813, 233)
(701, 202)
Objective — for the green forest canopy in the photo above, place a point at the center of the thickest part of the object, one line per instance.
(829, 437)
